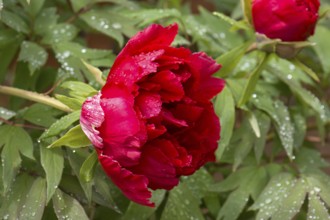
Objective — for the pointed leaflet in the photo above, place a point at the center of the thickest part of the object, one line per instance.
(74, 138)
(35, 201)
(181, 205)
(251, 181)
(225, 108)
(66, 207)
(278, 112)
(14, 140)
(35, 55)
(87, 169)
(61, 125)
(52, 162)
(253, 80)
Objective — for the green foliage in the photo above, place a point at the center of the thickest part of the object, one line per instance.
(271, 162)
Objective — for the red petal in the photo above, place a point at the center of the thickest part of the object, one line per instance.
(91, 117)
(157, 166)
(134, 68)
(171, 87)
(132, 185)
(122, 131)
(153, 37)
(201, 140)
(149, 104)
(202, 86)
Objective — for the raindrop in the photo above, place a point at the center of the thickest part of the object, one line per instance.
(268, 201)
(116, 25)
(289, 76)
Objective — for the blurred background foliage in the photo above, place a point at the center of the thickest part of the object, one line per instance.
(273, 157)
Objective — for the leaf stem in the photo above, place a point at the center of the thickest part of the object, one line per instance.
(36, 97)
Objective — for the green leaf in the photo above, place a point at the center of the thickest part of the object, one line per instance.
(198, 183)
(149, 16)
(260, 143)
(60, 32)
(250, 184)
(33, 54)
(87, 169)
(306, 69)
(73, 103)
(35, 6)
(11, 161)
(253, 80)
(230, 59)
(305, 95)
(279, 114)
(8, 36)
(232, 22)
(52, 162)
(309, 159)
(79, 90)
(102, 21)
(14, 21)
(271, 199)
(225, 108)
(181, 205)
(144, 212)
(66, 207)
(14, 140)
(105, 192)
(318, 183)
(6, 114)
(300, 127)
(40, 114)
(247, 9)
(6, 58)
(15, 199)
(74, 138)
(292, 203)
(35, 201)
(322, 47)
(46, 19)
(77, 159)
(97, 73)
(317, 209)
(244, 143)
(60, 125)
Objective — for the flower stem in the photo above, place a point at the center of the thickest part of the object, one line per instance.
(36, 97)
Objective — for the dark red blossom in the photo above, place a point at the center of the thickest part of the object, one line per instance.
(153, 121)
(288, 20)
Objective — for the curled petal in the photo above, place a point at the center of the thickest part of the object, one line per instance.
(157, 166)
(91, 118)
(203, 86)
(122, 131)
(132, 185)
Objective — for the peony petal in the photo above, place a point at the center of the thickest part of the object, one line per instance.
(152, 38)
(132, 69)
(171, 87)
(128, 62)
(149, 104)
(122, 131)
(201, 140)
(132, 185)
(202, 86)
(91, 117)
(157, 166)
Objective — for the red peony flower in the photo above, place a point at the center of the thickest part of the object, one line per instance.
(153, 121)
(288, 20)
